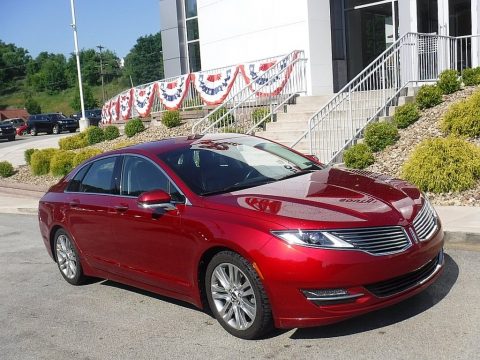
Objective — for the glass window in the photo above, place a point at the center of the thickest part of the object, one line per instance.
(209, 166)
(190, 8)
(75, 183)
(194, 56)
(99, 178)
(192, 29)
(141, 175)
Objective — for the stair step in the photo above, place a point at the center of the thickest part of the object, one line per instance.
(402, 100)
(315, 100)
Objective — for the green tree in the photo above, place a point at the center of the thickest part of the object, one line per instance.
(144, 63)
(13, 65)
(48, 72)
(89, 100)
(32, 106)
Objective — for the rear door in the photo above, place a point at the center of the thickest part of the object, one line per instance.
(90, 199)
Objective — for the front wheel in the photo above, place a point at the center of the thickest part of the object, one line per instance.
(67, 257)
(237, 297)
(33, 131)
(56, 129)
(11, 138)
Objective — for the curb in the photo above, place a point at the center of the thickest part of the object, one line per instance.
(26, 189)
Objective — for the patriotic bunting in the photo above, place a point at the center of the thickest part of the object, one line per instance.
(143, 99)
(172, 93)
(256, 76)
(114, 107)
(126, 100)
(214, 88)
(106, 118)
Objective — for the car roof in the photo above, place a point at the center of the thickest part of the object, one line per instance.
(179, 142)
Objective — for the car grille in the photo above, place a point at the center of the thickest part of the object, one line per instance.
(376, 240)
(425, 223)
(404, 282)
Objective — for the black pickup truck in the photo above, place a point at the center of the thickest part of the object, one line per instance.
(7, 131)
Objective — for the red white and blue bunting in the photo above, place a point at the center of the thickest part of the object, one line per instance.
(106, 118)
(172, 93)
(143, 99)
(126, 100)
(114, 107)
(213, 89)
(256, 75)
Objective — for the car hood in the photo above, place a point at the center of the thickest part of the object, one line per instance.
(326, 198)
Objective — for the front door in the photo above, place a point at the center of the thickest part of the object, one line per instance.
(151, 246)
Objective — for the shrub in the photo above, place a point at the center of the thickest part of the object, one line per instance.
(379, 135)
(122, 144)
(443, 164)
(358, 156)
(171, 118)
(231, 129)
(406, 115)
(471, 76)
(448, 81)
(111, 132)
(40, 161)
(83, 155)
(61, 163)
(259, 113)
(94, 135)
(133, 127)
(227, 120)
(73, 142)
(428, 96)
(463, 118)
(28, 155)
(6, 169)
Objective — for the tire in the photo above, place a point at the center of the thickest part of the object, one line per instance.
(24, 133)
(67, 258)
(33, 131)
(72, 130)
(56, 129)
(11, 138)
(240, 296)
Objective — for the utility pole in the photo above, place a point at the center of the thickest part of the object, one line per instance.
(100, 48)
(84, 122)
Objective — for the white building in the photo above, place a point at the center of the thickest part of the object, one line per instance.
(340, 37)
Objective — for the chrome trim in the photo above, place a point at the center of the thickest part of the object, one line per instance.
(335, 298)
(166, 206)
(425, 222)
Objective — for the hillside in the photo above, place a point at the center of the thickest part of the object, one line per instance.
(59, 102)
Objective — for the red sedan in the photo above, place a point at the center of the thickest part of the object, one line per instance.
(259, 234)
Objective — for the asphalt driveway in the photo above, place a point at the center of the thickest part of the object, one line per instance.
(42, 317)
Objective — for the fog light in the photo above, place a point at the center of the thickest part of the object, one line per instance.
(330, 296)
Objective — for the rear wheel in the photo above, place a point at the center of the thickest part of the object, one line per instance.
(67, 257)
(11, 138)
(56, 129)
(236, 296)
(72, 130)
(24, 133)
(33, 131)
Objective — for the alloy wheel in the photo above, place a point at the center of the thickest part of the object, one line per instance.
(233, 296)
(66, 257)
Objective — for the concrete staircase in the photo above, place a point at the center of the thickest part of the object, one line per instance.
(292, 123)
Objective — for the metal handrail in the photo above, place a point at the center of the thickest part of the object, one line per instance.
(414, 58)
(245, 101)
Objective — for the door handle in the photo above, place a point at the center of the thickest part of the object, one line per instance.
(121, 208)
(74, 203)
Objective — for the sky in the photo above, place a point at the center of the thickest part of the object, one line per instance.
(44, 25)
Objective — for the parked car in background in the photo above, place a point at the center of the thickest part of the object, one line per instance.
(7, 131)
(257, 232)
(16, 122)
(51, 123)
(22, 130)
(93, 115)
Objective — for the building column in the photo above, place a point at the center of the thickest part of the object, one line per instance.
(407, 16)
(475, 31)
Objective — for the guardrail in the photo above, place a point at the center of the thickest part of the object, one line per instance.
(412, 60)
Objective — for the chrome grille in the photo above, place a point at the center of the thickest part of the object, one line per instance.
(425, 223)
(376, 240)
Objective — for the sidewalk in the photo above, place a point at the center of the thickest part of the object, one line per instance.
(460, 223)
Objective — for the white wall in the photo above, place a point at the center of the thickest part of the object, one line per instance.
(236, 31)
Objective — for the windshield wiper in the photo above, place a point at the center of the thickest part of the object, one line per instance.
(302, 172)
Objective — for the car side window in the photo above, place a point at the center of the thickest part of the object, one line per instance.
(74, 185)
(140, 175)
(99, 178)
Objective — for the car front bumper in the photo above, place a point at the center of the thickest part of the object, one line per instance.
(292, 275)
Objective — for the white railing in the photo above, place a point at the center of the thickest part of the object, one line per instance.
(258, 101)
(410, 61)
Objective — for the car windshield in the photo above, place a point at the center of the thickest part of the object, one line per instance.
(218, 166)
(58, 116)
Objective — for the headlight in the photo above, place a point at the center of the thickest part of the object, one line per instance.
(312, 238)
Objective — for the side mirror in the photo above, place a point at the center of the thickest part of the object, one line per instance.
(155, 199)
